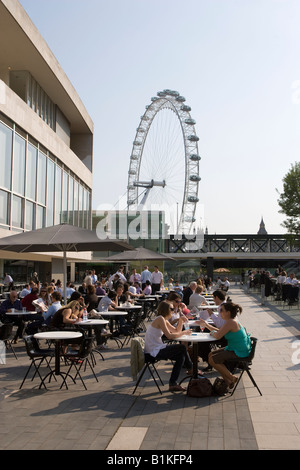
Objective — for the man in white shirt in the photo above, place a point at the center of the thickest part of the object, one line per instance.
(135, 277)
(120, 273)
(157, 280)
(146, 276)
(94, 277)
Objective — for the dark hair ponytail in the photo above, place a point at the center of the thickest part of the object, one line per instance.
(234, 309)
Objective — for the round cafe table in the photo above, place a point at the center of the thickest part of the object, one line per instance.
(57, 337)
(112, 313)
(196, 338)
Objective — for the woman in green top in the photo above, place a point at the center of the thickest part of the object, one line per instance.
(238, 341)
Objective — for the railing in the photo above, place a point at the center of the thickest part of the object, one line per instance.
(235, 244)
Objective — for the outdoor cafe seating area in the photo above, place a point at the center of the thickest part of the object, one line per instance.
(61, 357)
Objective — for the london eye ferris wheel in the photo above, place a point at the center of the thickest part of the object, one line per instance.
(164, 162)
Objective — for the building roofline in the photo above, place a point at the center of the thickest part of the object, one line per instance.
(42, 64)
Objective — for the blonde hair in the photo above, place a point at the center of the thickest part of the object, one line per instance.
(199, 289)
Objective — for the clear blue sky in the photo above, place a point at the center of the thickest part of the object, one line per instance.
(235, 61)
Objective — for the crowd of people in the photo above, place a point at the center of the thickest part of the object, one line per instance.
(283, 286)
(174, 310)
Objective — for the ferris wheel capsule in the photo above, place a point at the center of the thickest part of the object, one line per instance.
(195, 158)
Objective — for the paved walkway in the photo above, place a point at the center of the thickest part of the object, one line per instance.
(107, 415)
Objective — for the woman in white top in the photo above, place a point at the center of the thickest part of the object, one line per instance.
(197, 299)
(160, 350)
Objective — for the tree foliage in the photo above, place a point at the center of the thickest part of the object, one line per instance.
(289, 200)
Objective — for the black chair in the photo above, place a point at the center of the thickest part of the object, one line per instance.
(6, 335)
(149, 362)
(37, 356)
(79, 358)
(244, 365)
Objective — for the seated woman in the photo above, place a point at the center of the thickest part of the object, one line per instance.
(91, 299)
(159, 350)
(175, 299)
(238, 341)
(197, 298)
(147, 289)
(67, 315)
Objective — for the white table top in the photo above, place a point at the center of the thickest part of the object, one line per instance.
(196, 322)
(197, 338)
(207, 307)
(128, 307)
(112, 313)
(58, 335)
(20, 312)
(91, 322)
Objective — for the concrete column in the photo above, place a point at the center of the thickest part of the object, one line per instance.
(57, 269)
(72, 272)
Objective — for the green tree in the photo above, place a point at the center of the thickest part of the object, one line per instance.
(289, 200)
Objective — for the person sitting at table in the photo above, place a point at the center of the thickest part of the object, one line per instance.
(196, 298)
(100, 290)
(55, 305)
(50, 290)
(27, 301)
(46, 316)
(25, 291)
(108, 303)
(131, 292)
(215, 317)
(292, 289)
(147, 289)
(67, 315)
(91, 299)
(175, 299)
(42, 301)
(159, 350)
(188, 291)
(178, 288)
(82, 288)
(239, 343)
(7, 306)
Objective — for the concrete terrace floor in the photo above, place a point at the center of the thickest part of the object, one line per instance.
(109, 417)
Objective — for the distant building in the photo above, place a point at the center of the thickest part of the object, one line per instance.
(262, 228)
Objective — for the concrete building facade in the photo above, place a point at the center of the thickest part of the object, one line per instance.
(46, 136)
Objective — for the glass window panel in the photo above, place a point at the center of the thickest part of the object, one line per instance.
(76, 203)
(5, 156)
(88, 210)
(29, 216)
(50, 193)
(80, 206)
(84, 209)
(58, 179)
(41, 179)
(17, 212)
(4, 207)
(31, 172)
(19, 165)
(71, 200)
(39, 216)
(33, 94)
(64, 199)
